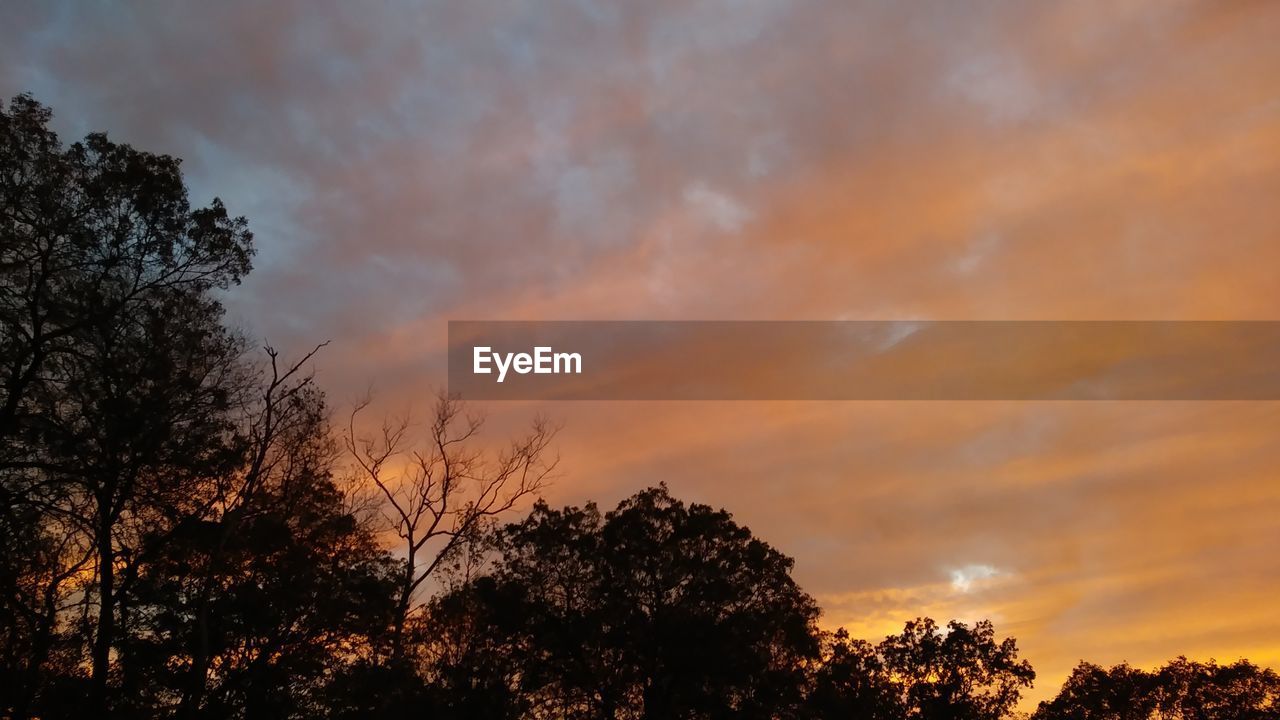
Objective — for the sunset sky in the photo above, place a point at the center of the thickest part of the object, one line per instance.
(772, 159)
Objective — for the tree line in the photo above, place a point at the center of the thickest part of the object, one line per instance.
(185, 534)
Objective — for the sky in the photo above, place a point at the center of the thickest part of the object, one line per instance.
(404, 165)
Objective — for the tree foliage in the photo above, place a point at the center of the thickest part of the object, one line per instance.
(1181, 690)
(159, 482)
(923, 673)
(654, 609)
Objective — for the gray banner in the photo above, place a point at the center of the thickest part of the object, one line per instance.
(865, 360)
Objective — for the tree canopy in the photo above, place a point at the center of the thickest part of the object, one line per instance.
(1181, 690)
(654, 609)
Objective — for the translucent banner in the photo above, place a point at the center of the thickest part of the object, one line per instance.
(865, 360)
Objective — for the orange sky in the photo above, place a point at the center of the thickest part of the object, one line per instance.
(774, 159)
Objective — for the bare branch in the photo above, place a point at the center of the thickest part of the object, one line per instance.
(440, 494)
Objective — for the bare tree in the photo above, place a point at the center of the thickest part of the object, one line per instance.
(441, 492)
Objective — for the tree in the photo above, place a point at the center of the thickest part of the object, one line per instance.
(156, 483)
(1096, 693)
(924, 673)
(656, 609)
(270, 598)
(439, 497)
(962, 673)
(90, 234)
(1181, 690)
(852, 682)
(145, 432)
(118, 380)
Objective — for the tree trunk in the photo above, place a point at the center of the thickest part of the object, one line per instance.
(101, 655)
(402, 612)
(197, 677)
(39, 654)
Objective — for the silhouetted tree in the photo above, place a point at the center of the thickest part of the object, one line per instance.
(119, 380)
(655, 610)
(962, 673)
(924, 673)
(296, 593)
(853, 682)
(1096, 693)
(89, 234)
(441, 495)
(1181, 690)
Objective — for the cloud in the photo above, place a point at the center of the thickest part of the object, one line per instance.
(963, 579)
(998, 85)
(724, 212)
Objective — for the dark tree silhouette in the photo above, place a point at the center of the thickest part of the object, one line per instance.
(963, 673)
(299, 591)
(1181, 690)
(119, 381)
(853, 682)
(1096, 693)
(924, 673)
(441, 495)
(92, 233)
(153, 476)
(656, 609)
